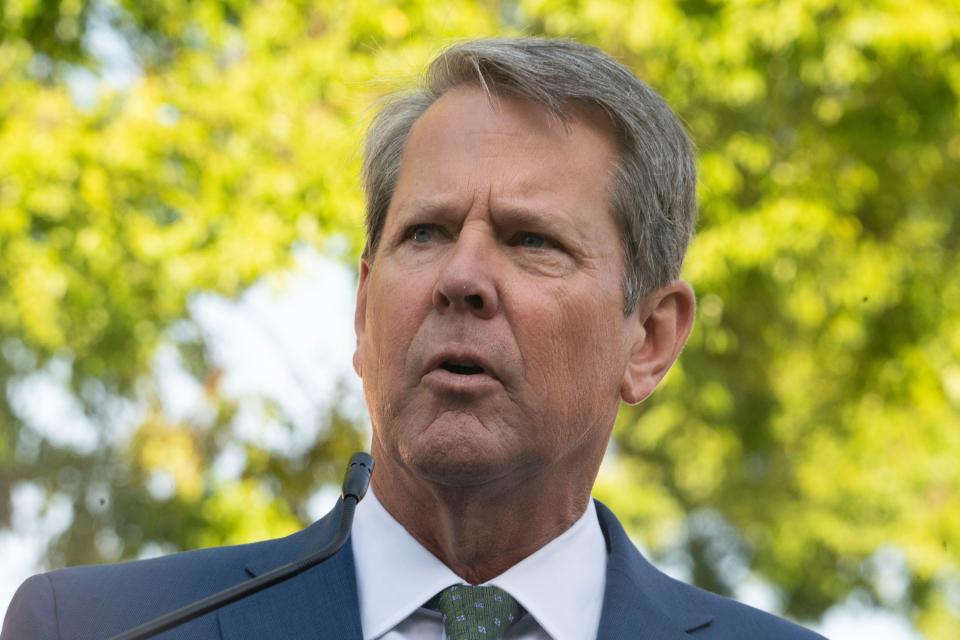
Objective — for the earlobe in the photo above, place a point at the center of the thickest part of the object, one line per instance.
(634, 388)
(360, 317)
(662, 323)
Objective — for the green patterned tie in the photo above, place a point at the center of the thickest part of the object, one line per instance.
(475, 613)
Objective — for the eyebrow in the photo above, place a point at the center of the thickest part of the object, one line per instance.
(539, 220)
(433, 206)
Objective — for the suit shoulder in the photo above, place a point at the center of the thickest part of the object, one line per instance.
(699, 613)
(187, 574)
(182, 563)
(732, 619)
(97, 601)
(32, 612)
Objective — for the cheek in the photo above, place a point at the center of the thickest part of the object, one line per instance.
(386, 335)
(392, 310)
(397, 308)
(576, 360)
(588, 344)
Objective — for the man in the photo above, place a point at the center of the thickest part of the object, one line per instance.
(527, 215)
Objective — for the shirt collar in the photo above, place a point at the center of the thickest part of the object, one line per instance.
(396, 575)
(561, 585)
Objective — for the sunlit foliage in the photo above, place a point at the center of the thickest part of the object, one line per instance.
(814, 419)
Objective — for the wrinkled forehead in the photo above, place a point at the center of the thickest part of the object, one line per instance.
(514, 146)
(586, 112)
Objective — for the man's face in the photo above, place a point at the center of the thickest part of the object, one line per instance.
(491, 336)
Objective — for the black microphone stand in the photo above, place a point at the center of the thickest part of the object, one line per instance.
(355, 485)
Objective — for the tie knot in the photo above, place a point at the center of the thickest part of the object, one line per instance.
(476, 613)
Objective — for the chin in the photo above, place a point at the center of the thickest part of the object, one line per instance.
(454, 472)
(458, 451)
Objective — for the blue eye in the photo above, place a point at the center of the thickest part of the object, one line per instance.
(421, 234)
(532, 241)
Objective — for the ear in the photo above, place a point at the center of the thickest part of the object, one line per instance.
(360, 316)
(661, 324)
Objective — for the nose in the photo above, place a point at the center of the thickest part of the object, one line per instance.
(467, 281)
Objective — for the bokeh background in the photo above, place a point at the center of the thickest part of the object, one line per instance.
(180, 218)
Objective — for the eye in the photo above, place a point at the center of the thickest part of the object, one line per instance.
(532, 241)
(421, 233)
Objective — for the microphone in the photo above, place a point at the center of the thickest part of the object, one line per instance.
(355, 483)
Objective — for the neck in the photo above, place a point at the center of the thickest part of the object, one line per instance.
(480, 531)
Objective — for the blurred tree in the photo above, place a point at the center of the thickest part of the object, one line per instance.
(813, 420)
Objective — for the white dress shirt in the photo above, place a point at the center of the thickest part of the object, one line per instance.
(560, 585)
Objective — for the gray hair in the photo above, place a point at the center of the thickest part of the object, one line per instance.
(654, 188)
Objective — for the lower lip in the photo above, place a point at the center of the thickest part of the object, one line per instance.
(449, 382)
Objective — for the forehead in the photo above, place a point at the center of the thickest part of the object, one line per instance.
(510, 150)
(467, 112)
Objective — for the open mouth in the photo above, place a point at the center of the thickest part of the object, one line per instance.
(462, 368)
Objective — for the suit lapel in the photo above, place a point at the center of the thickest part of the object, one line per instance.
(640, 602)
(319, 604)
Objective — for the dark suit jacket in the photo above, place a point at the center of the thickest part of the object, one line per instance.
(96, 602)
